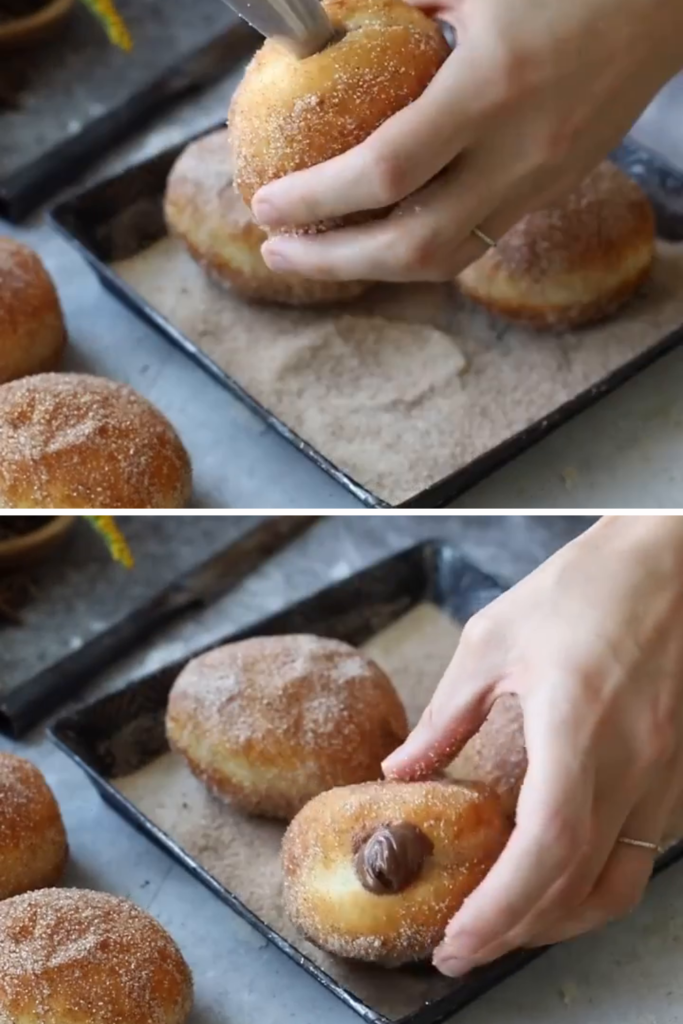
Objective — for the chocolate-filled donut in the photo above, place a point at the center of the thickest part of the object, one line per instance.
(375, 872)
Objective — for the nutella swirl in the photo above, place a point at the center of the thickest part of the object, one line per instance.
(391, 858)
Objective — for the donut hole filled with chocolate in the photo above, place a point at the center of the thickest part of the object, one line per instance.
(375, 872)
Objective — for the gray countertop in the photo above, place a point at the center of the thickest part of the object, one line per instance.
(628, 974)
(625, 452)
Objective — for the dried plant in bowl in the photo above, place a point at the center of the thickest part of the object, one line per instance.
(28, 540)
(26, 22)
(25, 540)
(114, 25)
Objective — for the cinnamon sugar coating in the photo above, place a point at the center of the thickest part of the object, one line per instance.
(290, 114)
(33, 843)
(324, 897)
(270, 722)
(32, 330)
(203, 209)
(496, 755)
(70, 956)
(573, 263)
(70, 440)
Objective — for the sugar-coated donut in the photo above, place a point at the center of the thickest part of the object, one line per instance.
(70, 440)
(574, 263)
(289, 114)
(496, 755)
(69, 956)
(33, 843)
(272, 721)
(32, 331)
(375, 872)
(203, 209)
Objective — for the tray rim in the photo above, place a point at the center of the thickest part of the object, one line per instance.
(24, 190)
(436, 495)
(473, 987)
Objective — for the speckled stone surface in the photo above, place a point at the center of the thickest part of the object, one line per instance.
(628, 974)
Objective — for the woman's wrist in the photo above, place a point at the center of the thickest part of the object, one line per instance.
(657, 538)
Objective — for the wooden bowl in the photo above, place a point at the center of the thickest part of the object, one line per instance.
(34, 28)
(33, 547)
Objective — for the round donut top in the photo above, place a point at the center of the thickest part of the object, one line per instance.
(309, 691)
(288, 114)
(451, 814)
(26, 289)
(26, 800)
(598, 223)
(71, 956)
(77, 441)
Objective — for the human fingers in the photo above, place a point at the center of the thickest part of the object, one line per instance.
(428, 238)
(404, 153)
(458, 707)
(620, 886)
(552, 830)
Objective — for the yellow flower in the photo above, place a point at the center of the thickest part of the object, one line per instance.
(114, 25)
(113, 538)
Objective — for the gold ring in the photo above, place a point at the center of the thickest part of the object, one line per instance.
(483, 237)
(640, 843)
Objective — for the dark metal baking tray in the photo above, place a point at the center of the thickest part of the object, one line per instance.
(118, 218)
(103, 740)
(77, 95)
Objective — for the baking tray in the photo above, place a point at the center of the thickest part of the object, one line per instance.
(118, 218)
(100, 738)
(77, 95)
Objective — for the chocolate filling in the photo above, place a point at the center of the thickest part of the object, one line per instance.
(391, 858)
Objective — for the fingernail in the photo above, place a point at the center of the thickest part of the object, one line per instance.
(405, 761)
(453, 968)
(391, 763)
(274, 258)
(264, 212)
(461, 945)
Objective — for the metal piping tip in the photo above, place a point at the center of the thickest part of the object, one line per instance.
(301, 26)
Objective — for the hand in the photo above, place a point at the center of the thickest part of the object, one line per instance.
(592, 645)
(535, 95)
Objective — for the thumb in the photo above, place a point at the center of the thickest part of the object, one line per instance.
(458, 709)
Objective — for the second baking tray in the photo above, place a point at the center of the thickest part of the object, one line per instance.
(124, 733)
(78, 95)
(120, 218)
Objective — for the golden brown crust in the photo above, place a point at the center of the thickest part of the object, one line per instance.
(574, 263)
(270, 722)
(32, 331)
(324, 897)
(33, 843)
(71, 956)
(290, 114)
(76, 441)
(203, 209)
